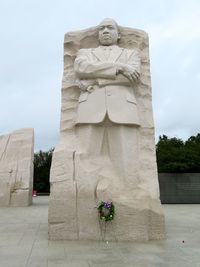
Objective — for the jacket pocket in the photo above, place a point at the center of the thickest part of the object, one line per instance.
(131, 98)
(83, 97)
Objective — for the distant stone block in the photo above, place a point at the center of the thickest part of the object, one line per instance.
(16, 168)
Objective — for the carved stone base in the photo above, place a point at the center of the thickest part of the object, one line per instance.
(78, 219)
(81, 186)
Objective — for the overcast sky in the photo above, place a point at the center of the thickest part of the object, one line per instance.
(31, 60)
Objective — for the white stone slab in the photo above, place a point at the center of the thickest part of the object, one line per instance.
(16, 168)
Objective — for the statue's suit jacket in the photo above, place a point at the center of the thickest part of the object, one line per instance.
(102, 91)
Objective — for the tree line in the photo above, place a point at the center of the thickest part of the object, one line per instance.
(42, 165)
(173, 156)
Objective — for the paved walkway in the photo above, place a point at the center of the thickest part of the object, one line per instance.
(24, 242)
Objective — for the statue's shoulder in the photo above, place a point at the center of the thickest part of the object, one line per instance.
(85, 50)
(133, 51)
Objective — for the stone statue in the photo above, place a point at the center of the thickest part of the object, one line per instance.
(107, 104)
(106, 149)
(107, 74)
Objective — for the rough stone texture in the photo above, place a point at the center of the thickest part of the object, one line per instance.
(16, 168)
(79, 183)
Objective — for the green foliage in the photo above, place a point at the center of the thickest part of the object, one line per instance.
(174, 155)
(42, 165)
(192, 146)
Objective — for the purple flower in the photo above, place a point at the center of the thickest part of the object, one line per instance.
(107, 205)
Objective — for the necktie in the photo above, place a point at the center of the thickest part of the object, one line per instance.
(107, 52)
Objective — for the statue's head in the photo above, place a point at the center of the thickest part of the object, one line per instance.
(108, 32)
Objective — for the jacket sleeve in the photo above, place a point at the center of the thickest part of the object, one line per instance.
(132, 60)
(135, 60)
(86, 68)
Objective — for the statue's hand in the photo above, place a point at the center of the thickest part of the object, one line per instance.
(91, 88)
(128, 72)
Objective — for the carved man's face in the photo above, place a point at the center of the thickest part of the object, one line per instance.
(108, 33)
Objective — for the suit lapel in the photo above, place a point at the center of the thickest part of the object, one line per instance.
(98, 52)
(114, 53)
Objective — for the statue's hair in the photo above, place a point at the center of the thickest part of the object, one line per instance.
(109, 19)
